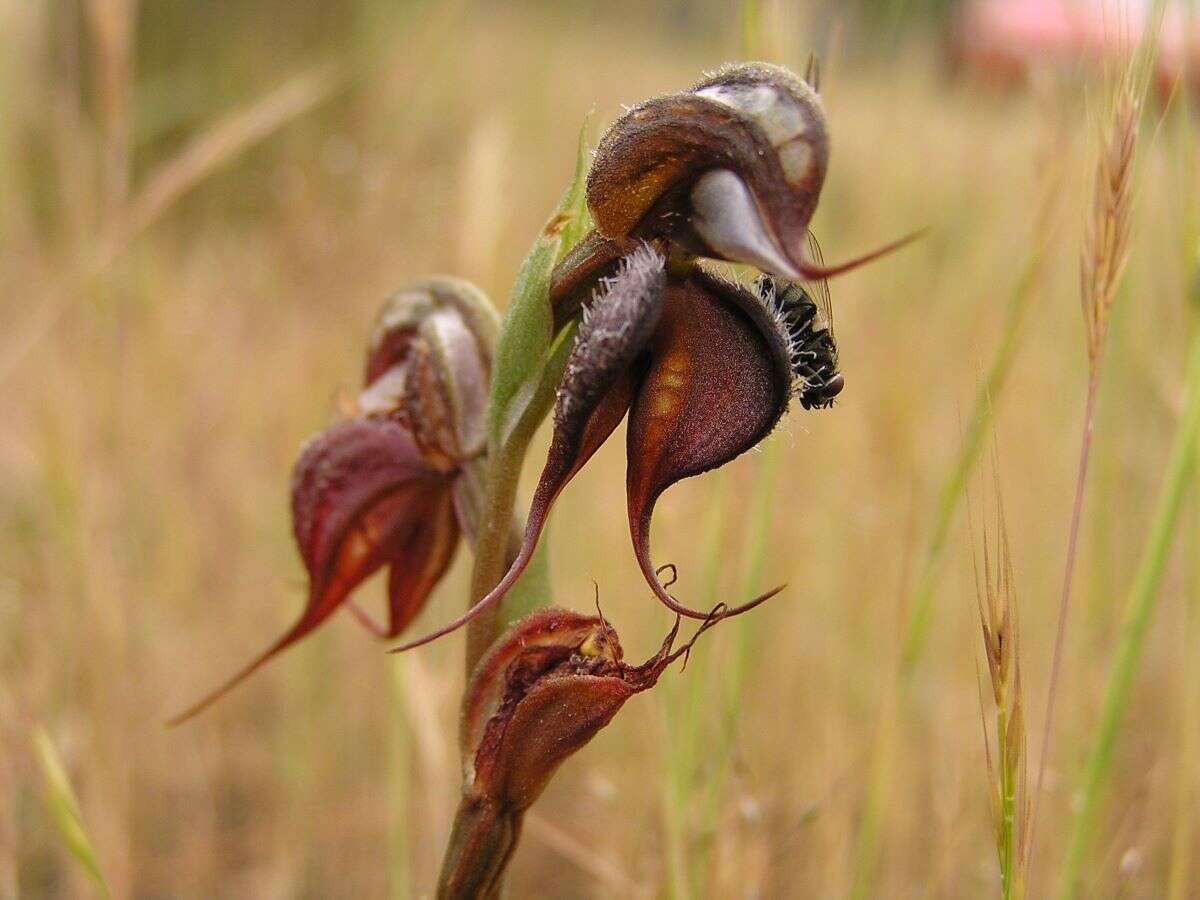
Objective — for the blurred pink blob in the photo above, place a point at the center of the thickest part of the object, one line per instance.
(1007, 40)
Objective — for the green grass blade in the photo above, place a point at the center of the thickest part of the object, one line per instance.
(920, 614)
(1139, 609)
(64, 811)
(684, 703)
(731, 682)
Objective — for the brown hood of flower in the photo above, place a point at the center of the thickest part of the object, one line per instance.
(543, 691)
(731, 169)
(661, 168)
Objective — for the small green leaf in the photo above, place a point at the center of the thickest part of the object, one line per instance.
(527, 330)
(63, 807)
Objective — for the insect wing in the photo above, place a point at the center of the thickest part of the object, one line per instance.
(819, 289)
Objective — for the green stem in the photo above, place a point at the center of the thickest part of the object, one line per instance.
(491, 546)
(1182, 830)
(1007, 842)
(1138, 611)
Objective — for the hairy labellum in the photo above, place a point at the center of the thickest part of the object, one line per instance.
(812, 350)
(543, 690)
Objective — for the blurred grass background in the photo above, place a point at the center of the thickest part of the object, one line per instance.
(201, 207)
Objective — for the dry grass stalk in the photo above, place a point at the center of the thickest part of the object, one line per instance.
(224, 141)
(1106, 232)
(1105, 251)
(111, 25)
(1007, 759)
(221, 144)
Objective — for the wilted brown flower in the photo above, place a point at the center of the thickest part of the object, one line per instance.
(383, 488)
(544, 690)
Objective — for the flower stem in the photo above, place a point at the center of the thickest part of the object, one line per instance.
(481, 843)
(492, 546)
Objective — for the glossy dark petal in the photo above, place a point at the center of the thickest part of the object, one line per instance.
(363, 497)
(719, 380)
(420, 563)
(592, 397)
(758, 121)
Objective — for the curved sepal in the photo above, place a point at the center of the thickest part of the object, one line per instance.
(718, 382)
(363, 497)
(592, 398)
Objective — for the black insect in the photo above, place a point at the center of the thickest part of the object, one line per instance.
(805, 311)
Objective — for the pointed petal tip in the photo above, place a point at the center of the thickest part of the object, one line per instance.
(813, 272)
(234, 680)
(642, 551)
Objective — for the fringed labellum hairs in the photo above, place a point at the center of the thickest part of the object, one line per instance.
(380, 490)
(731, 169)
(541, 692)
(704, 369)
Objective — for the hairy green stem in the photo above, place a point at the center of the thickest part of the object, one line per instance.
(492, 547)
(1139, 609)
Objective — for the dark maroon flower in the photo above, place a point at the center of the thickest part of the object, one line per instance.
(704, 367)
(541, 693)
(382, 490)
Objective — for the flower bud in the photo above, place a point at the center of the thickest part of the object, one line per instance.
(541, 692)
